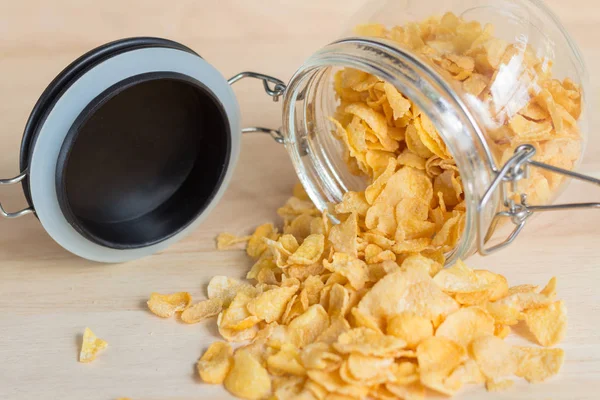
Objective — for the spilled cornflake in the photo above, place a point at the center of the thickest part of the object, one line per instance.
(325, 322)
(365, 308)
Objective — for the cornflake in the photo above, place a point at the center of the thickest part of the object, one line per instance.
(90, 346)
(548, 324)
(166, 305)
(247, 379)
(215, 363)
(202, 310)
(226, 241)
(363, 308)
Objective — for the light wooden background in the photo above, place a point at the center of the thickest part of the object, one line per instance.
(47, 296)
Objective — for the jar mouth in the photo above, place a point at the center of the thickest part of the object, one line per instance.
(304, 120)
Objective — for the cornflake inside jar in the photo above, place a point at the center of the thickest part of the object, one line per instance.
(415, 198)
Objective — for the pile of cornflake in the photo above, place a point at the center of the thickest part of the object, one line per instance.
(364, 308)
(323, 322)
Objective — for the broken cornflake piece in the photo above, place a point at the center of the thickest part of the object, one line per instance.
(538, 364)
(351, 268)
(269, 306)
(400, 105)
(227, 240)
(309, 252)
(331, 334)
(226, 288)
(438, 357)
(202, 310)
(410, 327)
(495, 358)
(286, 361)
(343, 236)
(215, 363)
(237, 317)
(256, 245)
(305, 328)
(90, 346)
(320, 356)
(370, 369)
(411, 290)
(548, 324)
(467, 372)
(295, 207)
(509, 310)
(247, 378)
(369, 342)
(467, 286)
(166, 305)
(466, 324)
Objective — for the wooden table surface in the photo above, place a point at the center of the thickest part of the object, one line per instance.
(48, 296)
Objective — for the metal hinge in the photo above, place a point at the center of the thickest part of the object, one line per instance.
(16, 214)
(276, 91)
(515, 170)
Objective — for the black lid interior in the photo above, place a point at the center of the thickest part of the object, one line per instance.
(69, 75)
(143, 160)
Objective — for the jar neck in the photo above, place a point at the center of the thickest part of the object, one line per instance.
(417, 81)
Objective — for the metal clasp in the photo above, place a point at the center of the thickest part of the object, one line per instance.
(516, 169)
(17, 214)
(276, 92)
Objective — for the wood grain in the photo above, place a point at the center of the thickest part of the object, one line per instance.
(48, 296)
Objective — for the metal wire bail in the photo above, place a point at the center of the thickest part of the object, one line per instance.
(17, 214)
(516, 169)
(275, 92)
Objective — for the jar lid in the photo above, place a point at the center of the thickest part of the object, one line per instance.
(129, 148)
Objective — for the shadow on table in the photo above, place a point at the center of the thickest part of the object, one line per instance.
(78, 344)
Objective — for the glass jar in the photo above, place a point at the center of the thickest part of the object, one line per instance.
(502, 82)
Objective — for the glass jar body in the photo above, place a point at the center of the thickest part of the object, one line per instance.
(316, 154)
(480, 130)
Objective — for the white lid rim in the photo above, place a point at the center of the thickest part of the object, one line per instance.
(66, 109)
